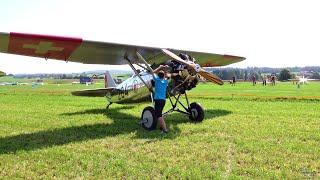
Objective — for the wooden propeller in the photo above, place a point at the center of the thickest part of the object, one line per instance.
(196, 67)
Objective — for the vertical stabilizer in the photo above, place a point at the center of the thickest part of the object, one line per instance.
(108, 80)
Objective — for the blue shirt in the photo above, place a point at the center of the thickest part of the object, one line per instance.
(160, 88)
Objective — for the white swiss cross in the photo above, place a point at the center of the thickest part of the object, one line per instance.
(42, 47)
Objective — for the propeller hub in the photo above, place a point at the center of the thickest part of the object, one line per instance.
(197, 67)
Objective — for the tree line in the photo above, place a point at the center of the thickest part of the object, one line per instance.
(260, 73)
(2, 73)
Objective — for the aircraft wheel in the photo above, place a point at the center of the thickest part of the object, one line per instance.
(148, 118)
(197, 112)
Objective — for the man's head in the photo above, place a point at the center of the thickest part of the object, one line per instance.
(161, 74)
(183, 56)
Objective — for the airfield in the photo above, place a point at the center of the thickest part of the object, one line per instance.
(249, 132)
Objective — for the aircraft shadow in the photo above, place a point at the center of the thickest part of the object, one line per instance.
(122, 124)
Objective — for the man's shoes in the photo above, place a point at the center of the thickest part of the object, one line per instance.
(164, 132)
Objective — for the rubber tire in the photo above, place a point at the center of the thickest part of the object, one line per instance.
(151, 113)
(196, 107)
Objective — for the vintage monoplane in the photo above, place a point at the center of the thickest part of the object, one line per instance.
(300, 80)
(187, 65)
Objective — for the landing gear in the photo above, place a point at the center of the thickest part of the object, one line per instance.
(148, 118)
(196, 112)
(109, 105)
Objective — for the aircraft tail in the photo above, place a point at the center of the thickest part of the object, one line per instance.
(108, 81)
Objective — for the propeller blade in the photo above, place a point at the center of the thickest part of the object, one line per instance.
(210, 77)
(177, 58)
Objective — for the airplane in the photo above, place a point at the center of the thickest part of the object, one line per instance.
(187, 65)
(302, 80)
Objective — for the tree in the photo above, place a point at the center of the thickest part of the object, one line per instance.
(315, 75)
(64, 76)
(284, 75)
(2, 74)
(246, 75)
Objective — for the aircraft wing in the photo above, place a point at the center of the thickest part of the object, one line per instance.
(92, 52)
(93, 92)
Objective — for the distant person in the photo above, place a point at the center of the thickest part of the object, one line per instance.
(264, 81)
(273, 80)
(254, 80)
(233, 81)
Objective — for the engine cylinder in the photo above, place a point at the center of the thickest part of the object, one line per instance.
(183, 78)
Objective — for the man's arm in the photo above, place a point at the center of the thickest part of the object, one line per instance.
(163, 67)
(159, 68)
(170, 75)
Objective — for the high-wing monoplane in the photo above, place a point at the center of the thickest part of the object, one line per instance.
(188, 65)
(302, 80)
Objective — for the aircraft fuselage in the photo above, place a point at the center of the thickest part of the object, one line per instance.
(132, 90)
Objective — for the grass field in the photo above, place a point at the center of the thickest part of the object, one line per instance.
(249, 132)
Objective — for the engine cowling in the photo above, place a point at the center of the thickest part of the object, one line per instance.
(183, 79)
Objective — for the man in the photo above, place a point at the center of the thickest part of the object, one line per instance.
(160, 86)
(254, 80)
(273, 80)
(233, 81)
(264, 81)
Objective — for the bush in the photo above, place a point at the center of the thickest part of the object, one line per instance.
(2, 74)
(284, 75)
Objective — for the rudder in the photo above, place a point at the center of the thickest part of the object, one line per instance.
(108, 80)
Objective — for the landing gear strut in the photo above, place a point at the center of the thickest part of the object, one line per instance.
(108, 105)
(194, 110)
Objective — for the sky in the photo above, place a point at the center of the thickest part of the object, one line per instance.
(269, 33)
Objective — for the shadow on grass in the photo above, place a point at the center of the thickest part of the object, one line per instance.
(123, 123)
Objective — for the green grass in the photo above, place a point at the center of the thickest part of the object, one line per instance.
(249, 132)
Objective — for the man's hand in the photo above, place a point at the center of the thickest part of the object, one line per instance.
(161, 67)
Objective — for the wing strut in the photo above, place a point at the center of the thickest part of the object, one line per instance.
(136, 72)
(145, 62)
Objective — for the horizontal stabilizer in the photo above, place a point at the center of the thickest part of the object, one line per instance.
(93, 92)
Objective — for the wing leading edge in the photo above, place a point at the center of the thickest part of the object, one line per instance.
(91, 52)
